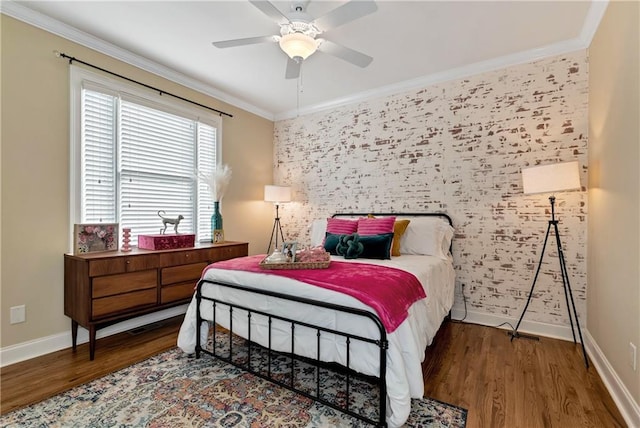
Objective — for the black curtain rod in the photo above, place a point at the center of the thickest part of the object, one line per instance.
(160, 91)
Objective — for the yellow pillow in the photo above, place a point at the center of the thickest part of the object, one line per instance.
(399, 227)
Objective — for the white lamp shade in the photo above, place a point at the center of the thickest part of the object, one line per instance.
(551, 178)
(277, 193)
(298, 45)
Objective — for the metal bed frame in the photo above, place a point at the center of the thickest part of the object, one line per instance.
(226, 353)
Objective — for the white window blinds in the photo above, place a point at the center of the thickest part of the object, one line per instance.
(137, 159)
(98, 175)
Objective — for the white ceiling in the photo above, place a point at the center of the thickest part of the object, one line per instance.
(413, 43)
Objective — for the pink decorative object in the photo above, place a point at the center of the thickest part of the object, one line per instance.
(311, 255)
(126, 239)
(375, 226)
(341, 226)
(166, 242)
(90, 238)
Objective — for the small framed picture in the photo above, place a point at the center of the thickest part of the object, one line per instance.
(93, 238)
(289, 250)
(218, 236)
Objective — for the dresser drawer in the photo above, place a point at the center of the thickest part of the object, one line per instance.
(183, 257)
(123, 264)
(226, 253)
(112, 285)
(107, 266)
(135, 263)
(175, 292)
(172, 275)
(122, 302)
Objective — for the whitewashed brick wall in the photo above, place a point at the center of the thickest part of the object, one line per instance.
(458, 147)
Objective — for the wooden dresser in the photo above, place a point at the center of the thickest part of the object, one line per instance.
(101, 289)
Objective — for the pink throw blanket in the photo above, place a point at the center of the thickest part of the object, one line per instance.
(389, 291)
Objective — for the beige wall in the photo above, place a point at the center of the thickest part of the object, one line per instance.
(613, 300)
(35, 173)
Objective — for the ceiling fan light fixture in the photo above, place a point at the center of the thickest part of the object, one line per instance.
(298, 45)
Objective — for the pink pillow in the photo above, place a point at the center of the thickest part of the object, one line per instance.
(340, 226)
(375, 226)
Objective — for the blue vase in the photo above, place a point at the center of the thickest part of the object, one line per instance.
(217, 233)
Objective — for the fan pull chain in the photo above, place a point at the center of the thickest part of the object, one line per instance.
(298, 92)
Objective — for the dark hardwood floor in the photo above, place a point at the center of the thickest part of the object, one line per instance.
(502, 383)
(519, 383)
(34, 380)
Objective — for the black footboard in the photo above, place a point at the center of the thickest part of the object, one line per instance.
(253, 354)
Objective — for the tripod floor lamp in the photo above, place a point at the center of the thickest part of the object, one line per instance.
(547, 179)
(276, 195)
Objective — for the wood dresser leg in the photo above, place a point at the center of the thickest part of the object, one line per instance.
(92, 341)
(74, 334)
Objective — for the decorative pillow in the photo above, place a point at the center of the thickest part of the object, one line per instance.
(376, 246)
(375, 226)
(430, 236)
(399, 227)
(349, 246)
(317, 232)
(331, 241)
(341, 226)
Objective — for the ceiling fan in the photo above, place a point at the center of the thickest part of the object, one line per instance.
(299, 31)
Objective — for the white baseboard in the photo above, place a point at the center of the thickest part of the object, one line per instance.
(528, 327)
(629, 409)
(619, 393)
(45, 345)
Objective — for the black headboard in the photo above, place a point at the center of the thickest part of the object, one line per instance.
(443, 215)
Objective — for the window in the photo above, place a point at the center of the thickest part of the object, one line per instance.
(135, 154)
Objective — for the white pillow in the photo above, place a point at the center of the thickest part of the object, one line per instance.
(317, 232)
(430, 236)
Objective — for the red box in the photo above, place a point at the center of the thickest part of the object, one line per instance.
(166, 242)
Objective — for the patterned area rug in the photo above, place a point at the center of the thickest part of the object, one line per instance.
(176, 390)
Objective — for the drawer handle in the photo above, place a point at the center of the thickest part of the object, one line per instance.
(128, 261)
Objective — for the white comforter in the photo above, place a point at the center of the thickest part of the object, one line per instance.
(406, 344)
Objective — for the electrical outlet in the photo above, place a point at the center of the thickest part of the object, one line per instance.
(17, 314)
(633, 358)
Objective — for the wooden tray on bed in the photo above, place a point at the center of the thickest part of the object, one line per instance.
(295, 265)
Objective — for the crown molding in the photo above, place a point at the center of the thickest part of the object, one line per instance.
(592, 21)
(440, 77)
(39, 20)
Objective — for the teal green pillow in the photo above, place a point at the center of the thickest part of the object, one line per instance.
(356, 246)
(331, 242)
(349, 246)
(376, 246)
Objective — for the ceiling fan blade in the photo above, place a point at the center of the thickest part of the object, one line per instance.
(270, 10)
(347, 12)
(345, 53)
(293, 69)
(242, 42)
